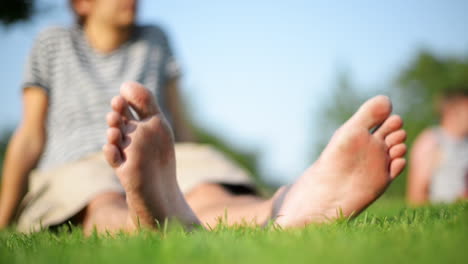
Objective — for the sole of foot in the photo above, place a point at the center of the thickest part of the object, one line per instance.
(141, 151)
(354, 169)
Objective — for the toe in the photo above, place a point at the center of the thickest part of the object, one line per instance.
(397, 151)
(373, 112)
(113, 155)
(139, 98)
(114, 136)
(392, 124)
(396, 167)
(118, 104)
(114, 119)
(395, 138)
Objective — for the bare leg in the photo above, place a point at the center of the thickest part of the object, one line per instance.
(212, 202)
(141, 150)
(108, 212)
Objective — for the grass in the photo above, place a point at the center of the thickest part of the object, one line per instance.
(387, 233)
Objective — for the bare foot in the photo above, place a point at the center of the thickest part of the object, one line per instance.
(353, 171)
(141, 150)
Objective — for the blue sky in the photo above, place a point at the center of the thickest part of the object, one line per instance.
(258, 72)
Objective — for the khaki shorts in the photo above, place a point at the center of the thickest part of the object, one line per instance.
(54, 196)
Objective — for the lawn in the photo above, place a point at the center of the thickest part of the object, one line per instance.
(387, 233)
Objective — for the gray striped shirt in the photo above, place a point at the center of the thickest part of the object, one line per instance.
(80, 83)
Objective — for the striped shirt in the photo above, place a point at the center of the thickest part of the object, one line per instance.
(80, 82)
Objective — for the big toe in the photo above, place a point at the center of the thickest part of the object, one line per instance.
(373, 112)
(139, 98)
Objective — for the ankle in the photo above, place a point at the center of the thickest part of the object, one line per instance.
(277, 200)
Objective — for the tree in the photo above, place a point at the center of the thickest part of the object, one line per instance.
(425, 79)
(4, 139)
(13, 11)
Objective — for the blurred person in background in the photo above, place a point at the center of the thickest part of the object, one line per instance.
(55, 154)
(439, 158)
(55, 171)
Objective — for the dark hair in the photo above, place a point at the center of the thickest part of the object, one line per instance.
(457, 90)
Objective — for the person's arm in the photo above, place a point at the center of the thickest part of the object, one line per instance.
(23, 152)
(182, 127)
(422, 163)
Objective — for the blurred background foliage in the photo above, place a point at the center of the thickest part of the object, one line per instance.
(414, 91)
(14, 11)
(4, 138)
